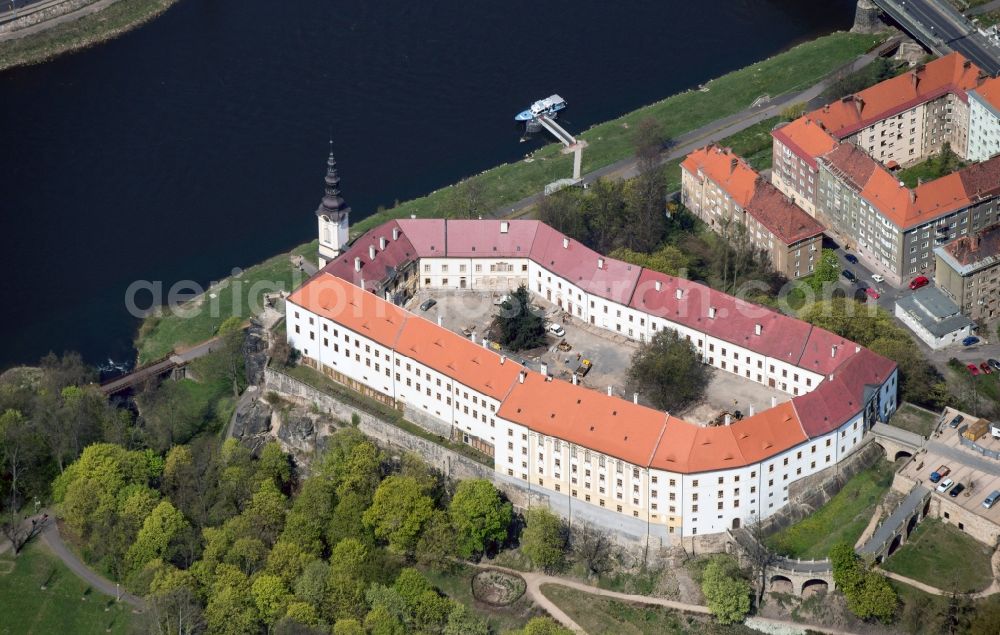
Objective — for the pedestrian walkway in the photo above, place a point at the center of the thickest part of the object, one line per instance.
(896, 521)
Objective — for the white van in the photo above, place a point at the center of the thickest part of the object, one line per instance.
(557, 330)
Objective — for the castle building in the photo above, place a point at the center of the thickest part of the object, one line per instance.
(653, 473)
(721, 189)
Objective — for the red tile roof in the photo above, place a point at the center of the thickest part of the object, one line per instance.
(396, 253)
(457, 357)
(969, 250)
(362, 312)
(989, 90)
(805, 138)
(725, 169)
(484, 238)
(949, 74)
(788, 222)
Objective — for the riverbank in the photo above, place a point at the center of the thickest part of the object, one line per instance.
(609, 142)
(96, 24)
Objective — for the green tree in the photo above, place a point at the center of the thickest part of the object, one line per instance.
(868, 593)
(347, 519)
(348, 626)
(398, 512)
(380, 621)
(668, 371)
(545, 539)
(479, 516)
(160, 531)
(266, 512)
(464, 621)
(231, 609)
(311, 583)
(271, 597)
(827, 272)
(311, 513)
(667, 259)
(288, 561)
(302, 613)
(517, 325)
(543, 626)
(350, 563)
(274, 464)
(427, 608)
(727, 594)
(174, 606)
(435, 548)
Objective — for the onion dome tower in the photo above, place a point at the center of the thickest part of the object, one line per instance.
(333, 215)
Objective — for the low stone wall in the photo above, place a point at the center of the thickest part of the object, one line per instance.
(627, 532)
(35, 14)
(808, 494)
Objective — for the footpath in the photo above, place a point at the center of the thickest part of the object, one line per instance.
(72, 16)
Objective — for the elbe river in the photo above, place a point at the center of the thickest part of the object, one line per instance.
(197, 143)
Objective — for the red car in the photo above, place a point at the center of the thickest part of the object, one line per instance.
(919, 281)
(872, 293)
(986, 368)
(973, 369)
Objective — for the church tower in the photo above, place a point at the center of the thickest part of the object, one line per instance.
(333, 215)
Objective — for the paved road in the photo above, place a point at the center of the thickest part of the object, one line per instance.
(969, 458)
(938, 25)
(712, 132)
(50, 535)
(62, 19)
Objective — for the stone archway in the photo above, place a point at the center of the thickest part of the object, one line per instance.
(814, 587)
(781, 584)
(885, 452)
(911, 524)
(903, 454)
(897, 540)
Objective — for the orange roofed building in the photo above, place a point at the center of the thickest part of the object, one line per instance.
(721, 189)
(594, 456)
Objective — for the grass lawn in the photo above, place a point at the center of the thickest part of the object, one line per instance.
(67, 605)
(596, 614)
(199, 320)
(943, 556)
(933, 168)
(842, 519)
(914, 419)
(87, 31)
(458, 586)
(754, 143)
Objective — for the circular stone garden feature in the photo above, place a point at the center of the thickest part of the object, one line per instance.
(497, 588)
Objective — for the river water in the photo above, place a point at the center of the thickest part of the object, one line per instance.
(197, 143)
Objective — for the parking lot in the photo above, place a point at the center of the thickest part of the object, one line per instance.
(979, 474)
(470, 314)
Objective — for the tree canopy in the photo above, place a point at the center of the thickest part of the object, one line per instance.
(517, 325)
(668, 371)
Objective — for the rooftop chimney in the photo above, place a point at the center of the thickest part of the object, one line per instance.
(609, 391)
(357, 263)
(600, 263)
(413, 217)
(751, 410)
(565, 243)
(729, 419)
(774, 401)
(371, 252)
(733, 163)
(520, 377)
(440, 321)
(576, 379)
(395, 233)
(711, 312)
(833, 351)
(504, 226)
(857, 349)
(758, 328)
(859, 104)
(544, 369)
(679, 294)
(658, 285)
(382, 242)
(635, 397)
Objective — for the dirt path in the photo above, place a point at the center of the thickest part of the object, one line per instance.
(534, 581)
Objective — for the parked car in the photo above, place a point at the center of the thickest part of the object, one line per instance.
(557, 330)
(957, 420)
(872, 293)
(847, 273)
(878, 278)
(939, 473)
(973, 368)
(944, 485)
(427, 304)
(851, 258)
(955, 491)
(991, 500)
(985, 368)
(919, 281)
(995, 364)
(969, 341)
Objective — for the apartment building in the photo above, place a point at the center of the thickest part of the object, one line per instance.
(968, 271)
(725, 192)
(984, 121)
(679, 478)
